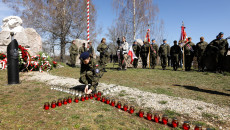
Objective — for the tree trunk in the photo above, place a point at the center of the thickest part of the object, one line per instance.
(134, 18)
(62, 50)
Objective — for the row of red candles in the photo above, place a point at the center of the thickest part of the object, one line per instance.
(98, 97)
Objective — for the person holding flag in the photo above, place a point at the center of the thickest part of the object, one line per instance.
(153, 53)
(134, 52)
(189, 51)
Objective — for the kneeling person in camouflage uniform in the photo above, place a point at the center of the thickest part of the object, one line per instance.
(90, 73)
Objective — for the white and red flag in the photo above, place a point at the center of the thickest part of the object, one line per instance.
(183, 37)
(131, 54)
(147, 37)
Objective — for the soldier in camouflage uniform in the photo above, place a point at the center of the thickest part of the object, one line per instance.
(103, 49)
(82, 49)
(221, 47)
(175, 52)
(136, 49)
(164, 52)
(90, 73)
(200, 49)
(189, 49)
(90, 49)
(153, 54)
(144, 54)
(73, 50)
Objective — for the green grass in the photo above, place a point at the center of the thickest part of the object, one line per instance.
(162, 102)
(204, 86)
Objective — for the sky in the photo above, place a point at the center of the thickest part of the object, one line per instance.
(201, 17)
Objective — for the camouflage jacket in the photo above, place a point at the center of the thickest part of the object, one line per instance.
(136, 49)
(154, 49)
(188, 50)
(82, 49)
(73, 49)
(200, 48)
(221, 46)
(103, 49)
(164, 50)
(175, 50)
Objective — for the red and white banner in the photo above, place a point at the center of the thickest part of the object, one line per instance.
(147, 37)
(183, 37)
(132, 54)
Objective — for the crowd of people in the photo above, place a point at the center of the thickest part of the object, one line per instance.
(92, 69)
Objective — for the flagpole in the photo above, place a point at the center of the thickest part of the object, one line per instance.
(183, 60)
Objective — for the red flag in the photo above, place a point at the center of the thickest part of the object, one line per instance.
(183, 36)
(147, 37)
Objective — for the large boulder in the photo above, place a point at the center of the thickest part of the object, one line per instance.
(27, 37)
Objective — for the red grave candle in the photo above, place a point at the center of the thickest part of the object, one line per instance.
(131, 109)
(165, 119)
(46, 106)
(91, 96)
(98, 97)
(156, 118)
(119, 105)
(69, 100)
(86, 97)
(113, 103)
(141, 113)
(107, 100)
(103, 99)
(83, 98)
(125, 107)
(95, 95)
(149, 116)
(65, 101)
(53, 104)
(186, 125)
(198, 127)
(76, 99)
(99, 93)
(175, 123)
(59, 103)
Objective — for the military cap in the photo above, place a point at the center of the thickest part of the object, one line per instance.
(153, 39)
(221, 33)
(84, 55)
(164, 40)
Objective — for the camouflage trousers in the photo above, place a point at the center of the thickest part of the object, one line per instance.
(123, 62)
(90, 78)
(73, 59)
(164, 60)
(153, 61)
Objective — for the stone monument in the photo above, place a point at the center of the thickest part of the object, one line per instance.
(27, 37)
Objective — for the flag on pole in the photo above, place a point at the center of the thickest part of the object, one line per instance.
(183, 37)
(190, 48)
(147, 37)
(131, 54)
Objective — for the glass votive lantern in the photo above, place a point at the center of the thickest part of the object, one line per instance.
(107, 100)
(186, 125)
(119, 104)
(46, 106)
(53, 104)
(86, 97)
(131, 109)
(198, 127)
(113, 102)
(103, 99)
(165, 119)
(156, 118)
(76, 99)
(59, 103)
(65, 101)
(125, 107)
(98, 97)
(69, 100)
(175, 123)
(149, 116)
(99, 93)
(141, 113)
(91, 96)
(82, 98)
(95, 95)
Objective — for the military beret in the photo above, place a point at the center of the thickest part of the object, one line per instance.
(164, 40)
(221, 33)
(84, 55)
(153, 39)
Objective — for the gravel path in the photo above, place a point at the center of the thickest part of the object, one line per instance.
(194, 108)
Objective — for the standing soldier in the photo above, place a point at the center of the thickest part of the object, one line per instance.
(124, 46)
(164, 52)
(73, 50)
(90, 73)
(189, 49)
(144, 54)
(90, 49)
(153, 53)
(200, 49)
(136, 49)
(175, 52)
(221, 47)
(82, 49)
(103, 49)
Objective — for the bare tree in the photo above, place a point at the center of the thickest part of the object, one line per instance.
(139, 15)
(62, 19)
